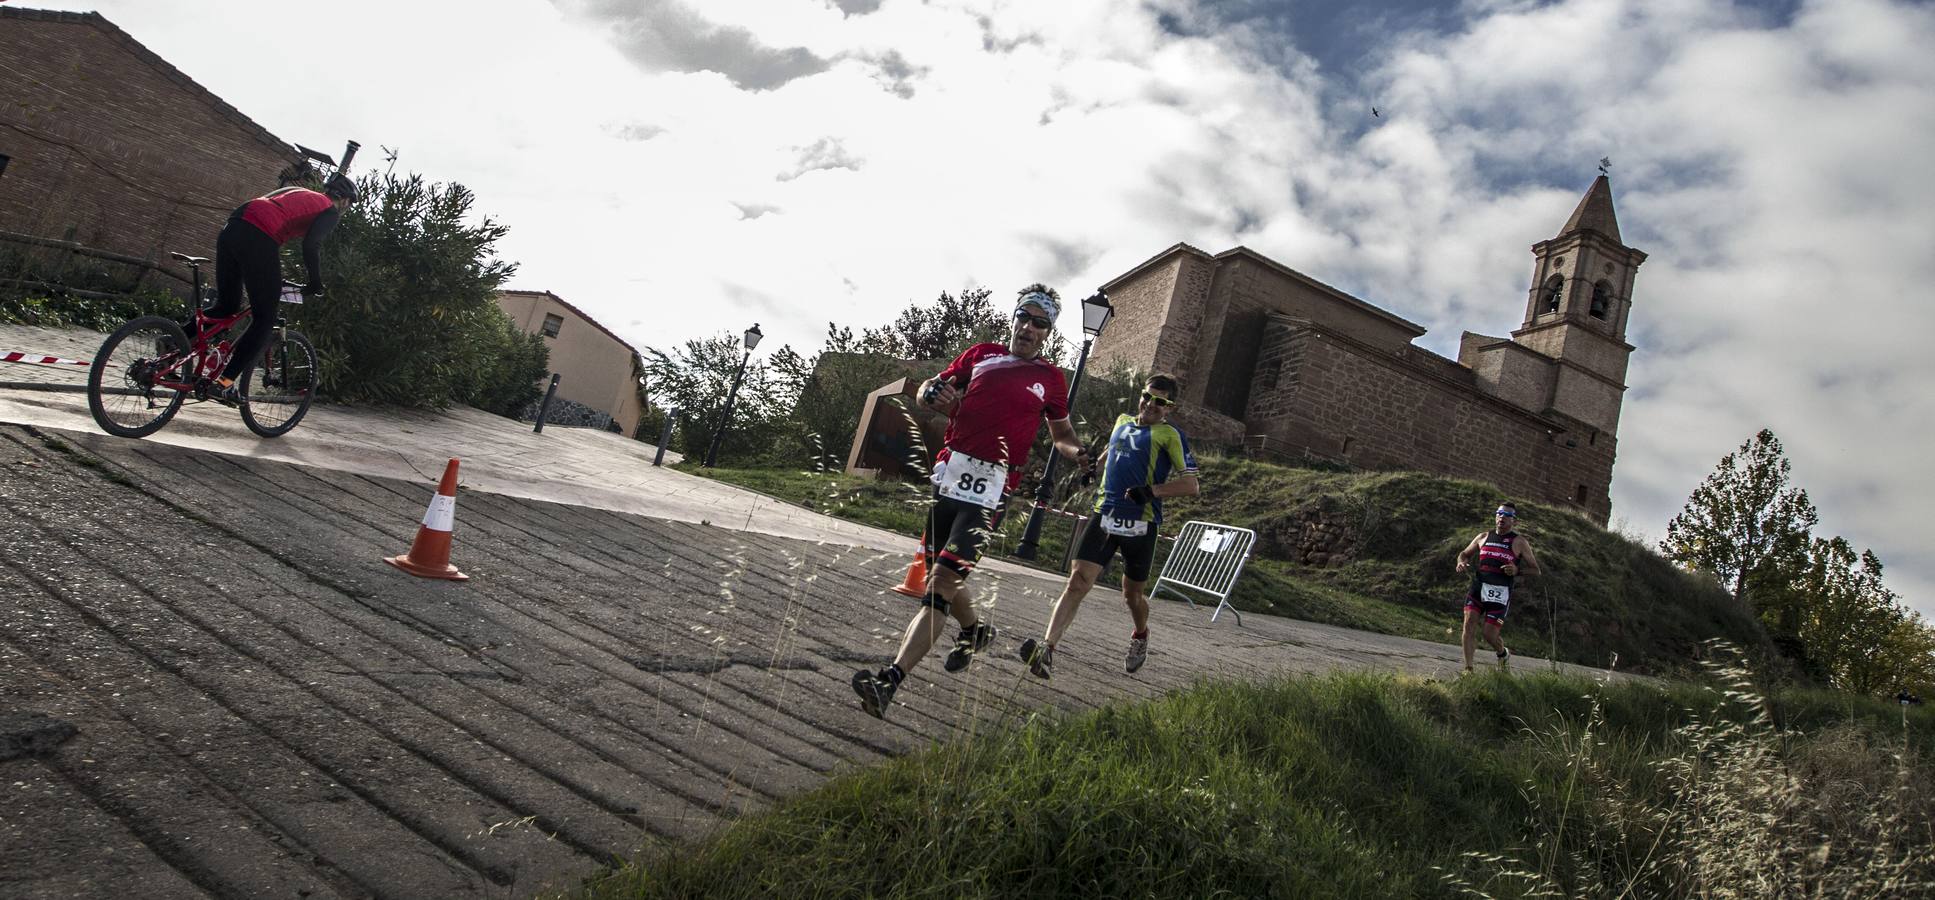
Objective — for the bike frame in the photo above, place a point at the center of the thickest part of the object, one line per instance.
(184, 373)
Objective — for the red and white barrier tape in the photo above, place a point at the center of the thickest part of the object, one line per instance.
(14, 356)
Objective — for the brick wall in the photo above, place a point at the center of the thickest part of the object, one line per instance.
(114, 148)
(1141, 303)
(1327, 395)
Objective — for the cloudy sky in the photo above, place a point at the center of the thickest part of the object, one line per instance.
(682, 169)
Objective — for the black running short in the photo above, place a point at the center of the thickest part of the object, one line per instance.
(956, 531)
(1099, 547)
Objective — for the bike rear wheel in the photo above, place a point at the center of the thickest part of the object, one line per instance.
(122, 390)
(279, 387)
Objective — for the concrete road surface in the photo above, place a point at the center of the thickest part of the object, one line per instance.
(211, 685)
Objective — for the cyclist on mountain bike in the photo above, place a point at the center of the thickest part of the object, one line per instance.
(248, 257)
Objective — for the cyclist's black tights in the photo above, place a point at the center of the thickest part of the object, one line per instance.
(246, 258)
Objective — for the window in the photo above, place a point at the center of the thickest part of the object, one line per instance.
(1582, 494)
(1601, 299)
(1553, 291)
(552, 322)
(4, 158)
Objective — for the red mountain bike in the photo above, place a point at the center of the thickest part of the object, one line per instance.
(148, 367)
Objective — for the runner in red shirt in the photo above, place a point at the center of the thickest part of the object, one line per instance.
(248, 257)
(996, 396)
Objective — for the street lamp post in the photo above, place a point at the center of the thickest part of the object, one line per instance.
(1096, 313)
(719, 434)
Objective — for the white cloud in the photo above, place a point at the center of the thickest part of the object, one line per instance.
(697, 180)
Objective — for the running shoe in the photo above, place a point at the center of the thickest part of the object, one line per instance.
(1039, 657)
(971, 641)
(875, 693)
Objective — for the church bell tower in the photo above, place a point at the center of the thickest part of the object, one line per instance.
(1578, 307)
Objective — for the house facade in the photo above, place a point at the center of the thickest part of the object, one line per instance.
(598, 371)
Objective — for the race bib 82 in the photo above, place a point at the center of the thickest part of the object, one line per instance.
(1494, 593)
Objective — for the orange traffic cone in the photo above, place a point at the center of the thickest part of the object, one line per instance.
(429, 555)
(916, 583)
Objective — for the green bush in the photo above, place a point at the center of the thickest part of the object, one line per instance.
(56, 288)
(96, 313)
(411, 317)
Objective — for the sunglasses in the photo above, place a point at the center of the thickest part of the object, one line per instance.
(1506, 513)
(1159, 401)
(1042, 322)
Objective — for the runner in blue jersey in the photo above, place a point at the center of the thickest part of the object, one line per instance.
(1501, 555)
(1148, 459)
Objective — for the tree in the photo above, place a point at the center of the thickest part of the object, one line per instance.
(881, 341)
(1743, 518)
(1856, 636)
(949, 326)
(1908, 656)
(411, 316)
(695, 379)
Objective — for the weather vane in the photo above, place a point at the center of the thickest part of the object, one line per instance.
(1605, 162)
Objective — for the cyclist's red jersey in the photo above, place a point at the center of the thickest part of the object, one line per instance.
(286, 214)
(1002, 408)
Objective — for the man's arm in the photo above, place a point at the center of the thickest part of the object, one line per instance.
(312, 242)
(1527, 563)
(1185, 486)
(1066, 443)
(1464, 556)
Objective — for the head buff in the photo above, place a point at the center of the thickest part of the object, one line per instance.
(1050, 307)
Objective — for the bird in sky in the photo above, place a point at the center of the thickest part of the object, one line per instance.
(1374, 113)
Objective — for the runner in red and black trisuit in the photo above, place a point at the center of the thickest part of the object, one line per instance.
(1503, 554)
(995, 396)
(247, 257)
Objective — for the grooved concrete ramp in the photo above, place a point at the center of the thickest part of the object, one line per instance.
(220, 689)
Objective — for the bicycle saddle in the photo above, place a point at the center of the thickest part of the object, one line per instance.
(191, 260)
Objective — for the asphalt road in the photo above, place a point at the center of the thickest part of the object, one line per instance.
(211, 684)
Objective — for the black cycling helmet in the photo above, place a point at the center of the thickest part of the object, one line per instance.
(340, 188)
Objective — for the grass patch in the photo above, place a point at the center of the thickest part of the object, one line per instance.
(1356, 785)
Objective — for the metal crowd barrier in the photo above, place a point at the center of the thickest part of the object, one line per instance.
(1209, 558)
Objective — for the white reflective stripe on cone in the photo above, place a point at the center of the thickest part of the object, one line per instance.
(442, 513)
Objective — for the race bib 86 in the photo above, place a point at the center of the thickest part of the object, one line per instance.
(977, 481)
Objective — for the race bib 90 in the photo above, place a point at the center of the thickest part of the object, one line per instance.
(1120, 527)
(1494, 593)
(977, 481)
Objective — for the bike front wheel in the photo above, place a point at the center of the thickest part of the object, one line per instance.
(125, 389)
(278, 388)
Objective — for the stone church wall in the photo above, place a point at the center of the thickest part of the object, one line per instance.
(1326, 395)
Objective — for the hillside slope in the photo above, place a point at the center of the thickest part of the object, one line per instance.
(1380, 547)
